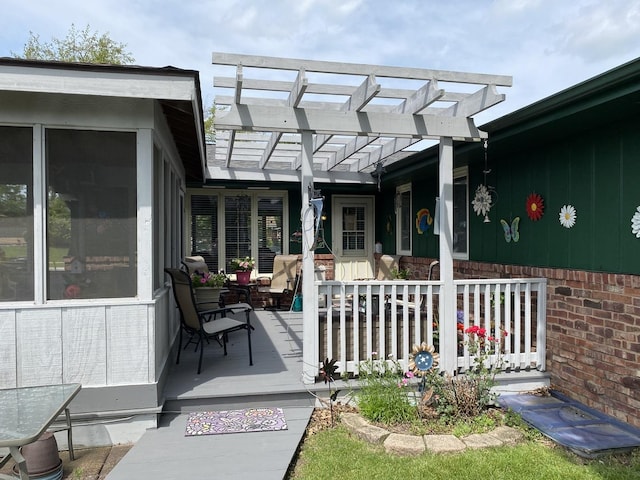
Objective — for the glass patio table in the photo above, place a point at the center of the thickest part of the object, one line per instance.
(26, 413)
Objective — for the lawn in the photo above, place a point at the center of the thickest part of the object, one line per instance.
(335, 454)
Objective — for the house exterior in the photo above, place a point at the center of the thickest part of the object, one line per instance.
(93, 163)
(106, 179)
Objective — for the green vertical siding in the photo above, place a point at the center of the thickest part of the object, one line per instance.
(596, 171)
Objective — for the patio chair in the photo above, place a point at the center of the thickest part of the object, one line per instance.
(387, 265)
(283, 280)
(202, 325)
(195, 263)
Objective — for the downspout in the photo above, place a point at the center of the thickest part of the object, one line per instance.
(309, 323)
(447, 307)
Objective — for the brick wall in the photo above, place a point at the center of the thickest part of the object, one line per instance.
(593, 334)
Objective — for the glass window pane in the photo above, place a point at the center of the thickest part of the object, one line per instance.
(405, 221)
(16, 214)
(353, 230)
(270, 215)
(91, 214)
(237, 210)
(204, 229)
(460, 212)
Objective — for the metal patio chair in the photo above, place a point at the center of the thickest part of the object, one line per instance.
(203, 325)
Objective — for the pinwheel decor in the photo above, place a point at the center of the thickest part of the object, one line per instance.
(422, 359)
(535, 207)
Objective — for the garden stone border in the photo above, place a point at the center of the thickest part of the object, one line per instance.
(401, 444)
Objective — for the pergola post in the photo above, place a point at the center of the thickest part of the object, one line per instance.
(447, 308)
(309, 322)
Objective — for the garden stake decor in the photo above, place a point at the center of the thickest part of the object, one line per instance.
(327, 371)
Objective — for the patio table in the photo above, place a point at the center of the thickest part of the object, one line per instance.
(27, 412)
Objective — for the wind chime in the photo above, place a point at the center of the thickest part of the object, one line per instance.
(482, 200)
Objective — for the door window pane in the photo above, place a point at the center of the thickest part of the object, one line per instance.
(16, 214)
(353, 230)
(91, 214)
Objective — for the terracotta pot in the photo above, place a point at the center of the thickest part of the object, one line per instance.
(42, 455)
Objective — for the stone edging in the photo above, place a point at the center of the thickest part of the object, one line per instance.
(402, 444)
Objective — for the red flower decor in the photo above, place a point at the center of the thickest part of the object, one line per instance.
(535, 207)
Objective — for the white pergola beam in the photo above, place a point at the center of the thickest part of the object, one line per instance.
(258, 118)
(258, 174)
(219, 58)
(476, 102)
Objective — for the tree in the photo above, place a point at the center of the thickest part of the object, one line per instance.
(209, 124)
(82, 46)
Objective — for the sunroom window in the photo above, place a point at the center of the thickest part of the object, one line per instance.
(16, 214)
(91, 214)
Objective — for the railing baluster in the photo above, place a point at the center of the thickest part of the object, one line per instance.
(480, 301)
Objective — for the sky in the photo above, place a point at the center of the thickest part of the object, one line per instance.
(545, 45)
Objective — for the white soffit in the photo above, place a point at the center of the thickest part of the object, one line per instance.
(359, 115)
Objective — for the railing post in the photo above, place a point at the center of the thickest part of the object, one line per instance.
(310, 301)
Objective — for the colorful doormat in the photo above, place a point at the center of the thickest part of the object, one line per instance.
(235, 421)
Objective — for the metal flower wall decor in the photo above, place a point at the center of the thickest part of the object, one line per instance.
(535, 207)
(568, 216)
(635, 223)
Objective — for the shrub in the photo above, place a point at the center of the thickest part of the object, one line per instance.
(384, 392)
(468, 395)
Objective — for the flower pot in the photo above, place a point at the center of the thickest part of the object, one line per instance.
(42, 456)
(209, 296)
(243, 277)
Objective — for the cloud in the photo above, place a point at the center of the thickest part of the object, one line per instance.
(600, 30)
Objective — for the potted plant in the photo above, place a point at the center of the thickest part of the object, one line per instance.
(243, 268)
(207, 286)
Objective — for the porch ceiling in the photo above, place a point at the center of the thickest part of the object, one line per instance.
(360, 115)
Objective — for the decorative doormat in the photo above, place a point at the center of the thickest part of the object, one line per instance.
(235, 421)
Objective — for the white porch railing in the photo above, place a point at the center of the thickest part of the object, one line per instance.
(389, 317)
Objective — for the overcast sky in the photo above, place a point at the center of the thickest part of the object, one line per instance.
(546, 45)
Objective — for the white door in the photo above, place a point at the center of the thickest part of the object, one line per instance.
(352, 225)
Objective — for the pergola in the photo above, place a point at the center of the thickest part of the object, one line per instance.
(331, 122)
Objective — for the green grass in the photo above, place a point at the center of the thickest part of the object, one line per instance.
(335, 454)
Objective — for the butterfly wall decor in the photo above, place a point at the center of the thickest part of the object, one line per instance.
(511, 230)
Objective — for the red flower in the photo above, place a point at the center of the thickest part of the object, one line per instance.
(535, 207)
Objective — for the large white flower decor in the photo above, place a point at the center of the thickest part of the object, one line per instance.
(482, 200)
(567, 216)
(635, 223)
